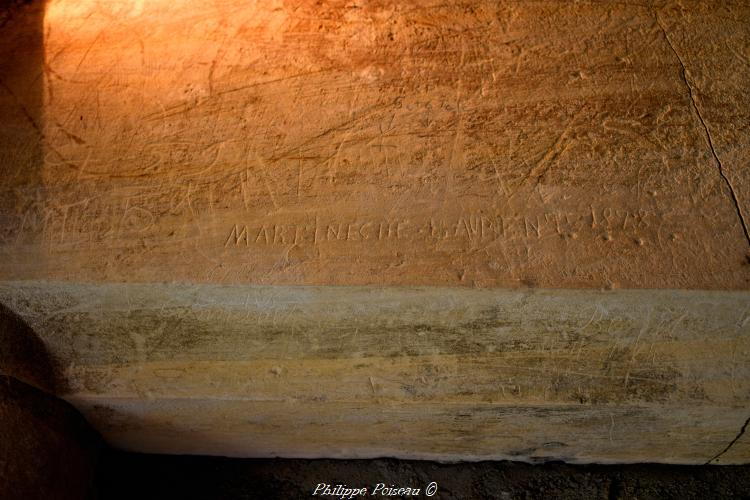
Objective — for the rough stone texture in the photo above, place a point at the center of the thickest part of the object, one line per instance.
(545, 144)
(624, 375)
(414, 152)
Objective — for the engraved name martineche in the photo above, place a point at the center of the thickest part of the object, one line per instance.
(471, 228)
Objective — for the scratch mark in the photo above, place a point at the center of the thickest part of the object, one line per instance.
(691, 91)
(729, 446)
(86, 54)
(559, 147)
(264, 177)
(70, 135)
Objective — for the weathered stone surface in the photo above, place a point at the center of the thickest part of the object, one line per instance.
(444, 373)
(441, 161)
(545, 144)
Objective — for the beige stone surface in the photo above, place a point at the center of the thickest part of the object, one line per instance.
(546, 144)
(444, 373)
(537, 208)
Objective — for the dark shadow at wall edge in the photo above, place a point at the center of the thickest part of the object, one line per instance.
(47, 449)
(22, 70)
(24, 357)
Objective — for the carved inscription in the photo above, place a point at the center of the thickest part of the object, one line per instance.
(476, 228)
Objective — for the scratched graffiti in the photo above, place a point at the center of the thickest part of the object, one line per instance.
(601, 223)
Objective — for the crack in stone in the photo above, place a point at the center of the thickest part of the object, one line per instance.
(732, 443)
(726, 180)
(705, 128)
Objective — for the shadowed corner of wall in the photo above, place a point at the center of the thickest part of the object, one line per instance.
(22, 76)
(22, 354)
(24, 357)
(47, 449)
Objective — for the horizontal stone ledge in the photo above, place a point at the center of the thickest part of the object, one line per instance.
(690, 434)
(413, 372)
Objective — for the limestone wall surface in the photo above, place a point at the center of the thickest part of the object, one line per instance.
(432, 230)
